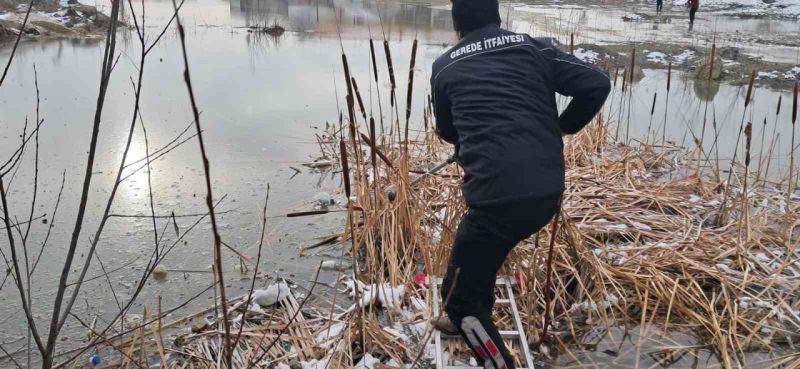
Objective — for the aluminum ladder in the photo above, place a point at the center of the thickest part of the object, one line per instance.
(505, 282)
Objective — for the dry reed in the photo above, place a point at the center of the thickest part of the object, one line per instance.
(634, 242)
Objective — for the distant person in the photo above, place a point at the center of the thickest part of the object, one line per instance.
(693, 6)
(659, 6)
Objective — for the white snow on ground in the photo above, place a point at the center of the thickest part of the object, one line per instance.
(6, 16)
(657, 57)
(587, 56)
(768, 75)
(683, 57)
(661, 58)
(728, 62)
(786, 8)
(793, 73)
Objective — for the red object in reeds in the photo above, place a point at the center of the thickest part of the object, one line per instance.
(420, 279)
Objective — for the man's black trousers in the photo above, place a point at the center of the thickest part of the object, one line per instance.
(484, 238)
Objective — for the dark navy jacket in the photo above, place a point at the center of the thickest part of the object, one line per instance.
(494, 98)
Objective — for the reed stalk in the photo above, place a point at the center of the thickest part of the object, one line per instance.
(705, 109)
(722, 215)
(745, 203)
(650, 124)
(666, 106)
(377, 84)
(410, 91)
(630, 95)
(773, 140)
(789, 186)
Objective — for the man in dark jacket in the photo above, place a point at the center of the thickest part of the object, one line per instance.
(494, 99)
(693, 5)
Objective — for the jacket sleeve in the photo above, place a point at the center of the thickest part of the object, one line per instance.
(586, 84)
(444, 117)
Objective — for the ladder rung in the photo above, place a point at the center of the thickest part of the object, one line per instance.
(467, 367)
(501, 281)
(502, 301)
(502, 334)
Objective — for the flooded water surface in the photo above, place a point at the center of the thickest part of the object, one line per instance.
(262, 99)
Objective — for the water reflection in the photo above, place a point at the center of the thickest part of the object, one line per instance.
(259, 95)
(350, 18)
(706, 91)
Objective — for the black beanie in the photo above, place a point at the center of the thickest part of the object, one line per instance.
(469, 15)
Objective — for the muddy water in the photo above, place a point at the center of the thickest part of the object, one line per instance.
(261, 100)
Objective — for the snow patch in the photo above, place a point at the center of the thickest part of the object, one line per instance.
(587, 56)
(793, 73)
(657, 57)
(684, 56)
(767, 75)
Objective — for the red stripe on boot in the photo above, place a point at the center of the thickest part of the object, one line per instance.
(491, 347)
(479, 350)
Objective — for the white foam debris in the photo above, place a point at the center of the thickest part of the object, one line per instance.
(397, 333)
(418, 304)
(271, 294)
(316, 364)
(324, 335)
(368, 361)
(383, 293)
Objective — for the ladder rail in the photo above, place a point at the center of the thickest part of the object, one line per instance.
(523, 340)
(518, 334)
(437, 336)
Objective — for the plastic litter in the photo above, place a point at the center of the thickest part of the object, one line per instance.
(272, 294)
(324, 199)
(420, 279)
